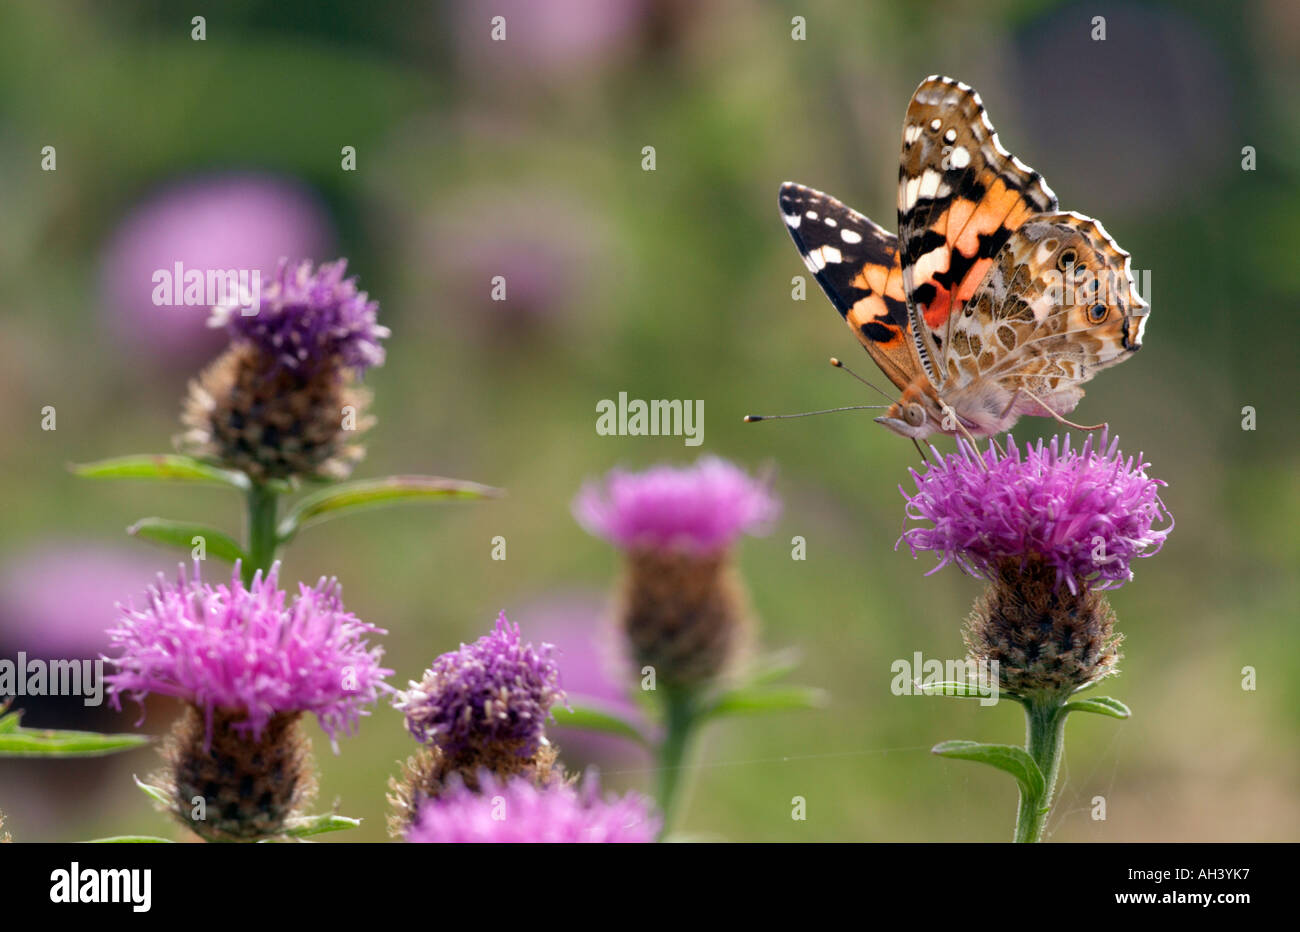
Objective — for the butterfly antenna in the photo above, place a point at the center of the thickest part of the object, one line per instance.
(839, 365)
(752, 418)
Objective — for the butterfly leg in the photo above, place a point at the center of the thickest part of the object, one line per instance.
(975, 447)
(917, 444)
(1043, 405)
(1015, 396)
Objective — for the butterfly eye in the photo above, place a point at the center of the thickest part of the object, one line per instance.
(914, 414)
(1066, 259)
(1097, 313)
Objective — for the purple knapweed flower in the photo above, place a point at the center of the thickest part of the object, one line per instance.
(310, 319)
(282, 401)
(702, 508)
(496, 691)
(1084, 514)
(682, 607)
(249, 651)
(518, 812)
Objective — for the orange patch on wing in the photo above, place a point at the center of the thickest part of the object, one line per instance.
(971, 281)
(1000, 207)
(959, 213)
(895, 289)
(872, 309)
(874, 278)
(936, 312)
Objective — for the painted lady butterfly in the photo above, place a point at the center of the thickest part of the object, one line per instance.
(990, 303)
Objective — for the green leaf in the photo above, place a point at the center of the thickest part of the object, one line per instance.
(1100, 705)
(348, 497)
(593, 715)
(156, 793)
(181, 534)
(774, 667)
(166, 467)
(43, 742)
(954, 688)
(130, 840)
(747, 700)
(304, 826)
(1015, 761)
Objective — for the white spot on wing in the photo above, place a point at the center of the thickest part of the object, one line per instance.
(791, 220)
(850, 237)
(927, 264)
(1043, 305)
(929, 186)
(960, 157)
(826, 255)
(909, 193)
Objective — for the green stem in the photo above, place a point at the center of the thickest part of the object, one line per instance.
(1045, 731)
(672, 752)
(263, 542)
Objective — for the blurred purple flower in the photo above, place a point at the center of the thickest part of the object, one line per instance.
(519, 813)
(1086, 513)
(585, 648)
(309, 320)
(497, 690)
(560, 37)
(700, 508)
(595, 666)
(57, 600)
(212, 222)
(495, 241)
(245, 650)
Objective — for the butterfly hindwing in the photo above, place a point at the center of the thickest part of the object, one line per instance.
(1058, 306)
(960, 196)
(856, 264)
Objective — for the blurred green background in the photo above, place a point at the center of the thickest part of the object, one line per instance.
(523, 158)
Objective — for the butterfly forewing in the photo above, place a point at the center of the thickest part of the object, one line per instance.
(856, 264)
(960, 196)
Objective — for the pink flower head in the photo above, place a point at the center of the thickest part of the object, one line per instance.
(1086, 513)
(250, 650)
(517, 812)
(702, 508)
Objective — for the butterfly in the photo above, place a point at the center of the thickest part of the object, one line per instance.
(990, 303)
